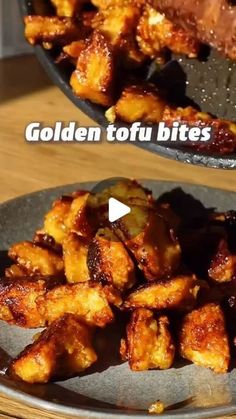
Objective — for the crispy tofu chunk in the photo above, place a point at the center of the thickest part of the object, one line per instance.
(51, 29)
(75, 252)
(118, 24)
(61, 351)
(177, 293)
(36, 260)
(109, 261)
(18, 300)
(203, 338)
(149, 343)
(139, 103)
(15, 271)
(223, 264)
(68, 8)
(155, 33)
(86, 300)
(76, 219)
(74, 49)
(95, 74)
(54, 223)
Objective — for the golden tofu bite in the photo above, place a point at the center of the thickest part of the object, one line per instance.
(86, 300)
(18, 297)
(15, 271)
(138, 103)
(68, 8)
(177, 293)
(149, 343)
(75, 253)
(109, 261)
(223, 264)
(61, 351)
(203, 338)
(54, 222)
(155, 34)
(36, 260)
(52, 30)
(95, 74)
(76, 219)
(118, 24)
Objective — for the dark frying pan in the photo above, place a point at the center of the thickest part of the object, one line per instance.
(209, 84)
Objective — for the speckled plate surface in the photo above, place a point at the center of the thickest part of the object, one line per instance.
(209, 84)
(110, 389)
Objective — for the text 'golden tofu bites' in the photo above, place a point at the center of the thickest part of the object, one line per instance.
(223, 264)
(178, 293)
(86, 300)
(156, 249)
(203, 338)
(36, 260)
(18, 300)
(149, 343)
(155, 33)
(118, 24)
(75, 253)
(138, 103)
(52, 29)
(95, 74)
(68, 8)
(54, 222)
(61, 351)
(109, 261)
(76, 219)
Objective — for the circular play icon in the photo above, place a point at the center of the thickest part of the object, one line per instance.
(119, 208)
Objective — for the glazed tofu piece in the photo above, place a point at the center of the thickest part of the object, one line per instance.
(54, 222)
(36, 260)
(109, 261)
(52, 30)
(75, 253)
(138, 103)
(203, 338)
(155, 34)
(95, 75)
(223, 264)
(61, 351)
(76, 220)
(86, 300)
(18, 297)
(177, 293)
(149, 343)
(68, 8)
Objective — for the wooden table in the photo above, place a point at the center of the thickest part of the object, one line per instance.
(27, 95)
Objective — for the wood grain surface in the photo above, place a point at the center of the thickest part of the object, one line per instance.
(27, 95)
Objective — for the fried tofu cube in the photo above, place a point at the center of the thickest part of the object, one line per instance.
(54, 222)
(61, 351)
(15, 271)
(139, 103)
(223, 264)
(118, 24)
(95, 74)
(76, 219)
(86, 300)
(52, 29)
(36, 260)
(109, 261)
(178, 293)
(149, 343)
(18, 300)
(68, 8)
(155, 33)
(75, 252)
(203, 338)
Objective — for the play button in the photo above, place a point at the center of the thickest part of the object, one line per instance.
(120, 206)
(117, 210)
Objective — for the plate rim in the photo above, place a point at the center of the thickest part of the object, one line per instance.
(60, 408)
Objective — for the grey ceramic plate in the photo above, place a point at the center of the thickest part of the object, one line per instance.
(210, 84)
(111, 389)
